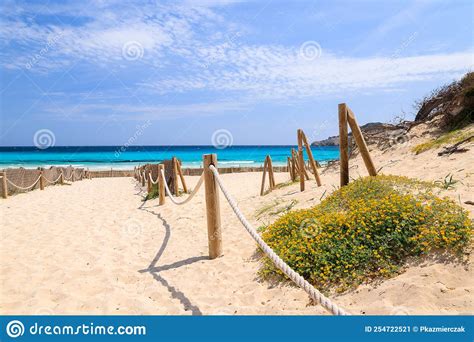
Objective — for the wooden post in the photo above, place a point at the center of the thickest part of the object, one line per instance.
(212, 208)
(301, 160)
(343, 145)
(312, 162)
(290, 167)
(4, 185)
(161, 183)
(293, 169)
(271, 175)
(181, 176)
(61, 178)
(298, 169)
(73, 175)
(142, 174)
(360, 141)
(262, 188)
(41, 179)
(175, 172)
(294, 156)
(148, 174)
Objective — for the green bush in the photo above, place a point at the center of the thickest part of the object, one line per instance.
(154, 193)
(366, 230)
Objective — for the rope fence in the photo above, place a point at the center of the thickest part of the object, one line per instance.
(190, 196)
(212, 181)
(54, 181)
(293, 275)
(21, 187)
(21, 180)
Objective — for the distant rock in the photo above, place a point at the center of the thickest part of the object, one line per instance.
(374, 133)
(446, 108)
(331, 141)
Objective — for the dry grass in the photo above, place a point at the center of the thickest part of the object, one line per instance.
(452, 137)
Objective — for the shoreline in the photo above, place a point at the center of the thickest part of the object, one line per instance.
(129, 167)
(104, 157)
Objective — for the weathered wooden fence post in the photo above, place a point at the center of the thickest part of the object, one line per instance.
(41, 181)
(161, 184)
(148, 174)
(181, 176)
(265, 166)
(4, 185)
(271, 175)
(343, 144)
(293, 168)
(312, 162)
(174, 162)
(212, 208)
(142, 174)
(288, 166)
(301, 160)
(360, 141)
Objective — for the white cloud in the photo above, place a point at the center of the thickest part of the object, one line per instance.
(97, 33)
(140, 112)
(279, 73)
(198, 50)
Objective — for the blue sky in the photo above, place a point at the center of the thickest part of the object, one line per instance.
(95, 73)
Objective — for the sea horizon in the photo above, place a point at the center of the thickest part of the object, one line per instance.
(121, 157)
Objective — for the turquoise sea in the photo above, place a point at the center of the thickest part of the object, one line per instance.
(117, 157)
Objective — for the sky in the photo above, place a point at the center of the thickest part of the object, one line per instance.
(180, 72)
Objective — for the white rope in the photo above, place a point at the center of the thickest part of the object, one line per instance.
(191, 195)
(70, 177)
(22, 188)
(297, 278)
(46, 179)
(151, 179)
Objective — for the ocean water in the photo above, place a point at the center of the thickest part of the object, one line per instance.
(116, 157)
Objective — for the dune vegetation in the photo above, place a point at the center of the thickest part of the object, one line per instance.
(367, 230)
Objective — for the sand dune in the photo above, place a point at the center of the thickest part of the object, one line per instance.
(96, 248)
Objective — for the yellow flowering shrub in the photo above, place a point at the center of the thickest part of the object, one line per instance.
(366, 230)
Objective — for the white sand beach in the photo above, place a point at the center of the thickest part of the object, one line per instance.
(95, 247)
